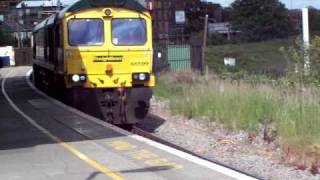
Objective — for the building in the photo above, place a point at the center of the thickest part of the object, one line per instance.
(30, 13)
(27, 14)
(222, 28)
(169, 19)
(5, 6)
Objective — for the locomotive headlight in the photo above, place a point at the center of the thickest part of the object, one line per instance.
(75, 78)
(83, 78)
(142, 77)
(135, 76)
(78, 78)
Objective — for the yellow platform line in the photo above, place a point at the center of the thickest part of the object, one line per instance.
(96, 165)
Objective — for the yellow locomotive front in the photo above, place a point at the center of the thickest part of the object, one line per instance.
(101, 46)
(108, 48)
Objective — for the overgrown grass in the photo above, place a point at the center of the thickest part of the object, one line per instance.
(293, 112)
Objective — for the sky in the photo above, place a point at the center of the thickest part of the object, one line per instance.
(291, 4)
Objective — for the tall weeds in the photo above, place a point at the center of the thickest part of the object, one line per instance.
(247, 106)
(291, 104)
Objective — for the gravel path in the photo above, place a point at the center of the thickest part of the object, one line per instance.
(236, 149)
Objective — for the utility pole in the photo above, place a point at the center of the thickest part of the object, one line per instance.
(204, 43)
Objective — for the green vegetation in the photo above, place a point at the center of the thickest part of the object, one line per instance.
(288, 106)
(258, 58)
(6, 38)
(260, 19)
(26, 42)
(246, 105)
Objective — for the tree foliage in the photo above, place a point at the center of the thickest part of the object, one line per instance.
(260, 19)
(196, 10)
(6, 38)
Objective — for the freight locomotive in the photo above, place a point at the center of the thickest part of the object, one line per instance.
(102, 46)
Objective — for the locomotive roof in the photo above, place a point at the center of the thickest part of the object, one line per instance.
(84, 4)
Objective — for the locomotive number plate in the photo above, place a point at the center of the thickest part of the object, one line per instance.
(98, 59)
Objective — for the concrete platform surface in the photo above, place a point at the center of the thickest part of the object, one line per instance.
(41, 138)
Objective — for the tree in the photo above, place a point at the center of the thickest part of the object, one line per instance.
(260, 19)
(196, 10)
(6, 38)
(26, 42)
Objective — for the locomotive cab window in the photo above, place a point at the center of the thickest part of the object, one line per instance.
(85, 32)
(129, 32)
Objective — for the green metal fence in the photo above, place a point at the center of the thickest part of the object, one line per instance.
(179, 57)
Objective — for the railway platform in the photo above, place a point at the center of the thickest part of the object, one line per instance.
(41, 138)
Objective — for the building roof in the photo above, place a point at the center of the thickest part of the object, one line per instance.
(37, 3)
(5, 5)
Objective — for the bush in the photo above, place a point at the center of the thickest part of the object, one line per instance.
(26, 42)
(217, 39)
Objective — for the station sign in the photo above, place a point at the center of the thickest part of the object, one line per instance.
(180, 17)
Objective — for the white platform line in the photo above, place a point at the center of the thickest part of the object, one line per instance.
(218, 168)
